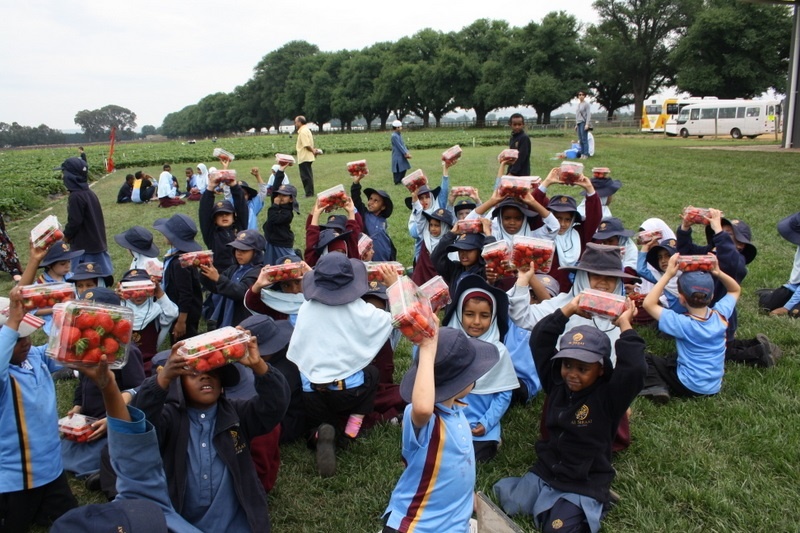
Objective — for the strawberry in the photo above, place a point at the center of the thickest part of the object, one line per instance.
(70, 335)
(104, 321)
(215, 359)
(92, 356)
(92, 338)
(122, 330)
(202, 366)
(85, 320)
(236, 351)
(109, 346)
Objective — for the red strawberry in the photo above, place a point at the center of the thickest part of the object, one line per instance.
(104, 321)
(236, 351)
(215, 359)
(122, 330)
(92, 338)
(202, 366)
(85, 320)
(70, 335)
(92, 356)
(109, 346)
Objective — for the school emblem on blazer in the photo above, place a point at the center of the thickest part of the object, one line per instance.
(557, 524)
(582, 413)
(238, 444)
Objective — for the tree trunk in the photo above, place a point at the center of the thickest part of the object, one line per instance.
(480, 116)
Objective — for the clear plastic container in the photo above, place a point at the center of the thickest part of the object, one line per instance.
(697, 263)
(364, 245)
(468, 225)
(570, 172)
(374, 273)
(498, 257)
(195, 259)
(532, 250)
(224, 176)
(285, 159)
(509, 155)
(415, 180)
(223, 154)
(411, 312)
(43, 295)
(284, 272)
(76, 428)
(697, 215)
(518, 186)
(646, 236)
(601, 172)
(215, 349)
(46, 232)
(464, 191)
(358, 168)
(154, 268)
(603, 304)
(333, 198)
(452, 155)
(84, 330)
(131, 290)
(437, 292)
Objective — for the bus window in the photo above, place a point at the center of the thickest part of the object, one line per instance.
(753, 111)
(739, 112)
(673, 109)
(708, 113)
(695, 115)
(652, 110)
(727, 112)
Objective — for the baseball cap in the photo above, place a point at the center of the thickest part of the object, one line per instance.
(584, 343)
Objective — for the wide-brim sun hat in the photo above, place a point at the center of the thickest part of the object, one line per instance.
(336, 280)
(513, 202)
(602, 260)
(424, 189)
(468, 241)
(388, 205)
(272, 335)
(611, 227)
(604, 187)
(743, 234)
(139, 240)
(562, 203)
(459, 362)
(180, 230)
(789, 228)
(327, 236)
(59, 251)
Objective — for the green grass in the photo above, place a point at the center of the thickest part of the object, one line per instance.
(727, 463)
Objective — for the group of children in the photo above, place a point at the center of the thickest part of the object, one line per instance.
(309, 374)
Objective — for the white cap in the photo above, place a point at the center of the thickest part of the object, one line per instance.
(397, 124)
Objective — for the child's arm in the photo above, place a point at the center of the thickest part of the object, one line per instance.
(641, 267)
(241, 207)
(106, 383)
(204, 208)
(544, 338)
(355, 194)
(424, 392)
(482, 209)
(441, 199)
(650, 303)
(549, 219)
(728, 282)
(260, 414)
(594, 211)
(34, 258)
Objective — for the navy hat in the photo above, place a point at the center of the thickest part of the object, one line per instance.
(743, 234)
(136, 274)
(131, 516)
(468, 241)
(584, 343)
(139, 240)
(378, 290)
(603, 260)
(442, 215)
(228, 374)
(327, 236)
(90, 270)
(289, 258)
(464, 204)
(387, 201)
(101, 295)
(424, 190)
(288, 190)
(336, 280)
(223, 206)
(605, 186)
(692, 282)
(562, 203)
(789, 228)
(337, 222)
(472, 282)
(273, 335)
(180, 230)
(59, 251)
(670, 245)
(249, 239)
(459, 362)
(513, 202)
(550, 283)
(611, 227)
(251, 192)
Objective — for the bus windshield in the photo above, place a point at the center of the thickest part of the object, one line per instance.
(683, 117)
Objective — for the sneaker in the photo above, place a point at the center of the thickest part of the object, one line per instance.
(92, 482)
(659, 395)
(326, 450)
(772, 349)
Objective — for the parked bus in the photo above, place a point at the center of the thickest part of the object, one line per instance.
(737, 118)
(657, 113)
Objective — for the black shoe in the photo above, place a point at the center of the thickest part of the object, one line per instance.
(769, 356)
(326, 450)
(63, 373)
(659, 395)
(92, 482)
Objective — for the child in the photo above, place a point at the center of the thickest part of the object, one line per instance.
(375, 214)
(278, 226)
(281, 300)
(204, 439)
(274, 180)
(569, 485)
(512, 217)
(232, 283)
(139, 242)
(319, 236)
(698, 367)
(33, 484)
(430, 200)
(481, 311)
(469, 247)
(652, 264)
(87, 276)
(785, 300)
(430, 227)
(199, 183)
(605, 187)
(152, 317)
(612, 232)
(336, 321)
(143, 188)
(56, 262)
(435, 492)
(400, 154)
(255, 200)
(181, 285)
(221, 221)
(167, 191)
(462, 208)
(522, 143)
(125, 192)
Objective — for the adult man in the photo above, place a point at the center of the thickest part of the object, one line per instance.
(306, 154)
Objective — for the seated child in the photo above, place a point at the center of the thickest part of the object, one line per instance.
(335, 320)
(612, 232)
(512, 217)
(347, 230)
(281, 300)
(374, 214)
(221, 220)
(568, 486)
(274, 181)
(605, 188)
(143, 188)
(785, 300)
(124, 194)
(204, 439)
(89, 275)
(199, 183)
(652, 263)
(429, 200)
(278, 225)
(469, 247)
(232, 283)
(435, 492)
(139, 242)
(430, 227)
(698, 367)
(57, 263)
(152, 317)
(481, 311)
(463, 207)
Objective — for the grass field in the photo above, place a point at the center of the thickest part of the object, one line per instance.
(727, 463)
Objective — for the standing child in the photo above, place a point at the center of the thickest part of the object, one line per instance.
(522, 143)
(435, 492)
(400, 154)
(375, 214)
(278, 226)
(221, 220)
(698, 367)
(569, 485)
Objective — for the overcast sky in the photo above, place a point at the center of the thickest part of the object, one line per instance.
(156, 57)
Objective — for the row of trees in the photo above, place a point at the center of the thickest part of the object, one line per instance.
(15, 134)
(725, 48)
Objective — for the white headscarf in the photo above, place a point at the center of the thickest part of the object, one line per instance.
(656, 224)
(202, 178)
(568, 245)
(424, 227)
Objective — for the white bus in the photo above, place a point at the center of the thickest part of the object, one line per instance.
(737, 118)
(657, 113)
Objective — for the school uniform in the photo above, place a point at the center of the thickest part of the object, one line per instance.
(376, 226)
(182, 286)
(216, 238)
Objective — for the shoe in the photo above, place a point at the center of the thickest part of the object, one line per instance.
(326, 450)
(92, 482)
(63, 373)
(659, 395)
(773, 350)
(613, 497)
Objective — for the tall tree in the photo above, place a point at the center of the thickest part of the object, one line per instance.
(611, 89)
(97, 123)
(734, 49)
(647, 29)
(272, 72)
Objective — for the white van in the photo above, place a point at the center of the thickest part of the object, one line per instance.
(737, 118)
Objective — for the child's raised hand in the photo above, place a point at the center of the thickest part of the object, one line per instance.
(388, 273)
(487, 226)
(174, 367)
(552, 177)
(623, 321)
(572, 308)
(349, 206)
(210, 272)
(254, 171)
(100, 374)
(715, 219)
(304, 268)
(318, 209)
(431, 341)
(672, 266)
(491, 275)
(586, 184)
